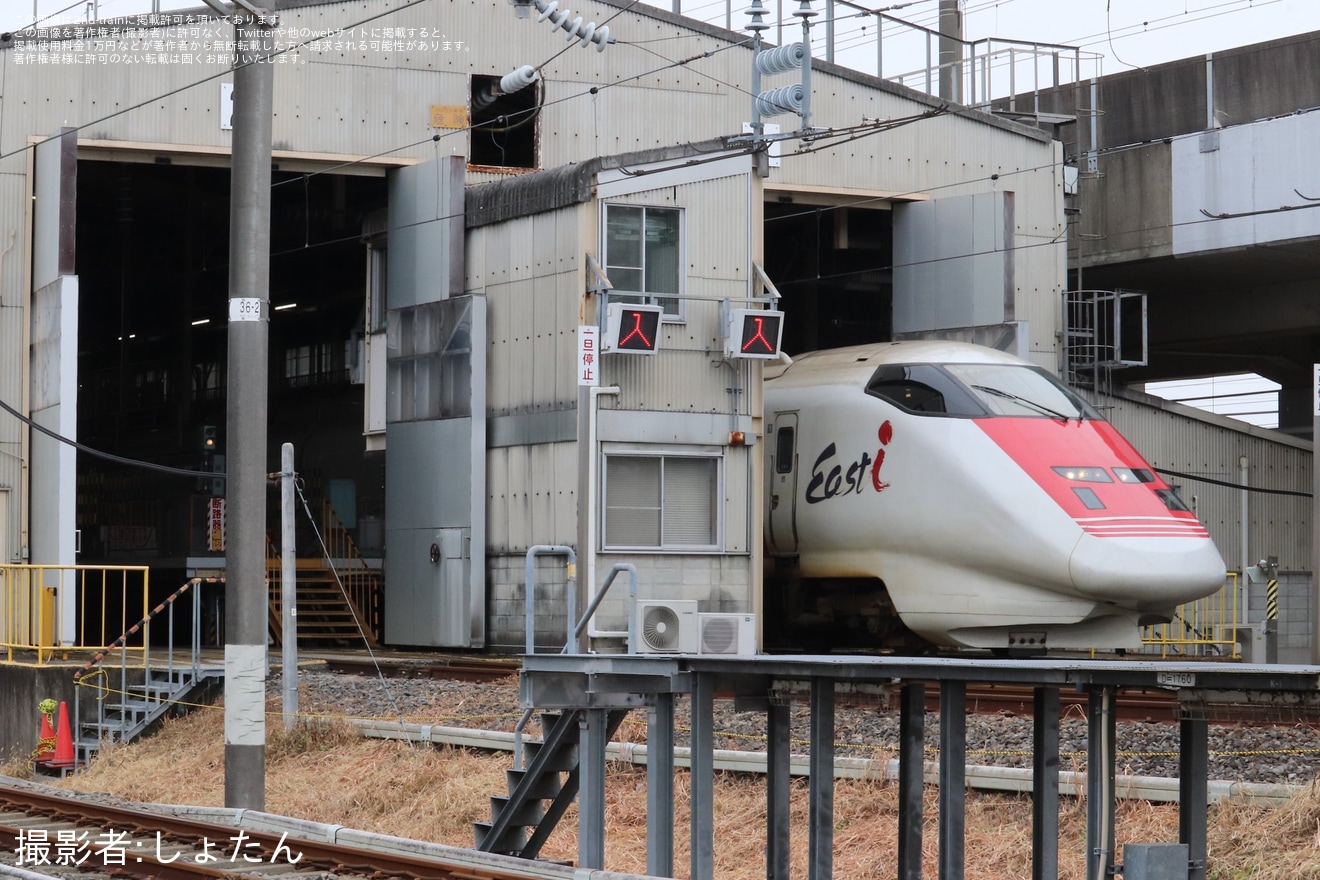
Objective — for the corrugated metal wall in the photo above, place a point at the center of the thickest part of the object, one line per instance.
(716, 238)
(531, 272)
(1177, 438)
(349, 97)
(532, 497)
(13, 318)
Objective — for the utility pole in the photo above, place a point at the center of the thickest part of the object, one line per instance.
(951, 50)
(245, 426)
(289, 587)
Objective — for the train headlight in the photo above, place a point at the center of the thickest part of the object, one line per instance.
(1134, 475)
(1084, 474)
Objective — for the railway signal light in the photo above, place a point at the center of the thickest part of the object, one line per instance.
(632, 329)
(753, 333)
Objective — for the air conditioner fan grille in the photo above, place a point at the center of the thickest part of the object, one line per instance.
(719, 636)
(660, 628)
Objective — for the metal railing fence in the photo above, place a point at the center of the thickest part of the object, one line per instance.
(49, 611)
(868, 40)
(1207, 627)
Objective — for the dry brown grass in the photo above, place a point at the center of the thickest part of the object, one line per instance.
(324, 772)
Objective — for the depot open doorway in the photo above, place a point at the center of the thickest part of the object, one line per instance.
(152, 251)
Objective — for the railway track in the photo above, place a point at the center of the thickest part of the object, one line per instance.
(985, 699)
(55, 833)
(991, 699)
(443, 667)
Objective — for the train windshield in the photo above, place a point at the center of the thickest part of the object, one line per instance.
(1014, 390)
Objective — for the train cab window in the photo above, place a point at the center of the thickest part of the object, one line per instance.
(1172, 501)
(1017, 390)
(784, 451)
(923, 389)
(1089, 498)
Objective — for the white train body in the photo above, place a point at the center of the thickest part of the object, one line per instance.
(971, 495)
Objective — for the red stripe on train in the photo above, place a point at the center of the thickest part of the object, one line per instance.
(1038, 445)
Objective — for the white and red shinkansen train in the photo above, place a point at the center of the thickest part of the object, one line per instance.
(964, 497)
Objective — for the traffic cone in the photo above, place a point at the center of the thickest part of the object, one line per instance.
(45, 740)
(63, 756)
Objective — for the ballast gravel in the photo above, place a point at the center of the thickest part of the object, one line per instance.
(1286, 753)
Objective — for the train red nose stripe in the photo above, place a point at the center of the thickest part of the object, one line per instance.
(1038, 445)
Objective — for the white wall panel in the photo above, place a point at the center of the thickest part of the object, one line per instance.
(1256, 173)
(13, 319)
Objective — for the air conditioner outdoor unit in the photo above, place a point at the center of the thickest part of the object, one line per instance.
(665, 627)
(726, 634)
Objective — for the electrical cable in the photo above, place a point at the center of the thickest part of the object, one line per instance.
(38, 22)
(595, 90)
(619, 12)
(1230, 485)
(108, 456)
(591, 91)
(1109, 36)
(264, 59)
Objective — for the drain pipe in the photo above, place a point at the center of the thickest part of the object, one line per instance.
(593, 482)
(1244, 581)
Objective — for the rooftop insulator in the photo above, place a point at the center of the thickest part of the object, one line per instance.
(586, 33)
(781, 59)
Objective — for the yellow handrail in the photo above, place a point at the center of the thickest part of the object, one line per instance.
(1207, 627)
(47, 610)
(361, 583)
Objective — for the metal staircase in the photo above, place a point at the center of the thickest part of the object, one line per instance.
(523, 820)
(546, 773)
(129, 699)
(338, 592)
(325, 614)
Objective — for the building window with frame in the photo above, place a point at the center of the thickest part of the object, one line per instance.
(662, 502)
(644, 255)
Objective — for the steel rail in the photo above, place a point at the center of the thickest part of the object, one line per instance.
(312, 854)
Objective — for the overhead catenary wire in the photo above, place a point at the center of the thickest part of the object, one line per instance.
(819, 142)
(260, 59)
(108, 456)
(590, 91)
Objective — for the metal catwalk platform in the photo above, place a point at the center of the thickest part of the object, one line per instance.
(600, 683)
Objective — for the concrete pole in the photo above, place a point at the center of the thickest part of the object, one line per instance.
(951, 32)
(288, 587)
(245, 427)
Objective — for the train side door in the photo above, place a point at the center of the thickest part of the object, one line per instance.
(783, 485)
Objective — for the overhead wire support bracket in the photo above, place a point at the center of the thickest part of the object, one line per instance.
(766, 284)
(602, 283)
